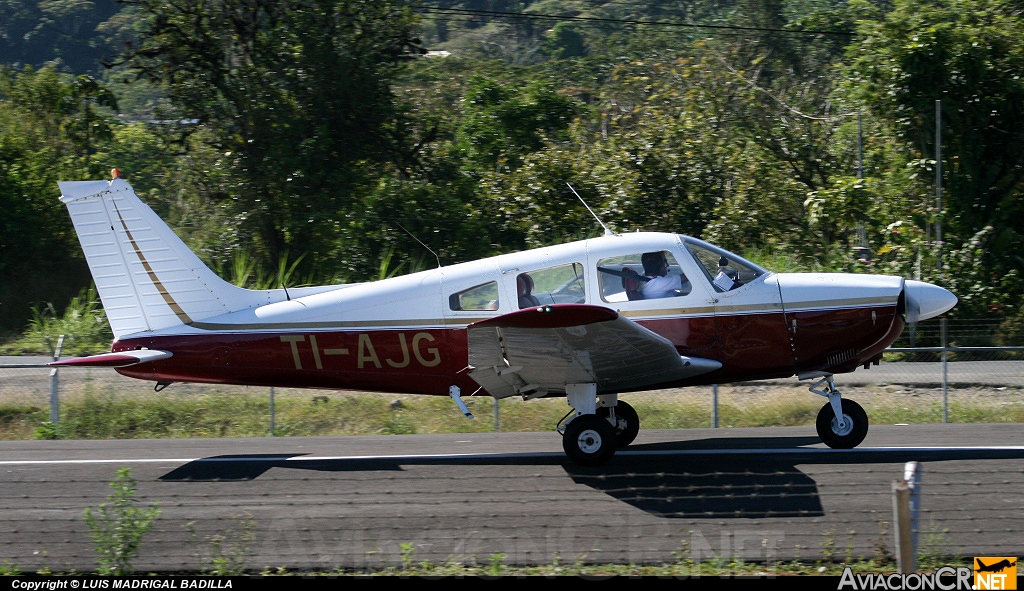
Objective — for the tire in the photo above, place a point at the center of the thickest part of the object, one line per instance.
(589, 440)
(854, 433)
(628, 423)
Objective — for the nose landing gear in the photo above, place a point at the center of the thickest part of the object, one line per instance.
(841, 424)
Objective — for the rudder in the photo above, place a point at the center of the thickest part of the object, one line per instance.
(146, 276)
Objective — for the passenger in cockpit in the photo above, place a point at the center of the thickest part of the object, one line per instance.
(524, 285)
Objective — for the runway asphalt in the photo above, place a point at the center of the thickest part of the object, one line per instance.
(366, 502)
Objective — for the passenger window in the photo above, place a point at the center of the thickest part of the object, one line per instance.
(555, 285)
(481, 297)
(641, 276)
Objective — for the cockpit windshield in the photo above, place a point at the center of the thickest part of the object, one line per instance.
(725, 270)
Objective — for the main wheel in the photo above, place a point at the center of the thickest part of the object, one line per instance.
(854, 430)
(627, 423)
(589, 440)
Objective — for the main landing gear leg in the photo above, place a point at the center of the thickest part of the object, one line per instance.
(622, 416)
(841, 424)
(588, 439)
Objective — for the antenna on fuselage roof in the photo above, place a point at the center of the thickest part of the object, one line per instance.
(607, 232)
(421, 244)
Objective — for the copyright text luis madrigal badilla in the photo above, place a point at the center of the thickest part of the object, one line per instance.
(146, 583)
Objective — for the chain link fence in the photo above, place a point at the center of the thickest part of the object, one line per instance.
(936, 372)
(695, 509)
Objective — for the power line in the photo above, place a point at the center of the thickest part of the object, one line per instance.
(466, 12)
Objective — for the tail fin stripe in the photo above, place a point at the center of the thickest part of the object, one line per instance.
(146, 276)
(168, 299)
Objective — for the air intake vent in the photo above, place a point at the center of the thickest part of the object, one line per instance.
(841, 357)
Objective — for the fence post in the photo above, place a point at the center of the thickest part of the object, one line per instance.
(906, 500)
(271, 411)
(54, 387)
(945, 380)
(714, 405)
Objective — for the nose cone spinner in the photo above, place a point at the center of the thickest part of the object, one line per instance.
(925, 300)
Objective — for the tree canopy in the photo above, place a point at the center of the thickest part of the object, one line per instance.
(336, 138)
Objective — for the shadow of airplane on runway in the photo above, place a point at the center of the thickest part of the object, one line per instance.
(712, 478)
(711, 488)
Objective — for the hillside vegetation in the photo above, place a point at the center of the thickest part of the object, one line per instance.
(306, 136)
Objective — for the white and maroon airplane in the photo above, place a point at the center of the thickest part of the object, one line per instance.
(588, 320)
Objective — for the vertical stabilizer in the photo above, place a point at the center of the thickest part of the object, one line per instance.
(146, 277)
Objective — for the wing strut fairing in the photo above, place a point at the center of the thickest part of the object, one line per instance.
(538, 351)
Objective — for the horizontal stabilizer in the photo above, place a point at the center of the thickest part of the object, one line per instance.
(120, 359)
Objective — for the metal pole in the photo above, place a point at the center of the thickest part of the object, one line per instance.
(901, 526)
(912, 474)
(938, 181)
(714, 405)
(497, 423)
(945, 371)
(271, 411)
(54, 388)
(905, 508)
(862, 232)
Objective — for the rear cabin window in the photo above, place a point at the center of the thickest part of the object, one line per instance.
(481, 297)
(554, 285)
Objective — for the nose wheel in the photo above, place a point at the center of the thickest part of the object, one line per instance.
(841, 424)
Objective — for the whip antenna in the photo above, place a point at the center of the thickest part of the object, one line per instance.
(607, 232)
(421, 244)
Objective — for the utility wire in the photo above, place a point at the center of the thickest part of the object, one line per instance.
(434, 10)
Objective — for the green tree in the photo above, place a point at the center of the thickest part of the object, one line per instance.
(717, 154)
(295, 95)
(969, 55)
(39, 119)
(504, 121)
(62, 31)
(564, 41)
(86, 102)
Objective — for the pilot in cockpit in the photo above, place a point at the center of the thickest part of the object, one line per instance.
(658, 283)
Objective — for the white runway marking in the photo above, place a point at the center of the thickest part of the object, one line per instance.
(679, 452)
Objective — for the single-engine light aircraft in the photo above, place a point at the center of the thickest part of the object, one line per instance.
(588, 320)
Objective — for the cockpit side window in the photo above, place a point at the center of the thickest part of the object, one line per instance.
(725, 270)
(641, 276)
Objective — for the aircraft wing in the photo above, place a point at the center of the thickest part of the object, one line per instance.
(120, 359)
(537, 351)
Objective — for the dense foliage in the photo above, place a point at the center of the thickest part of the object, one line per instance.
(333, 137)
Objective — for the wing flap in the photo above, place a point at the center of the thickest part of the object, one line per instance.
(538, 351)
(119, 359)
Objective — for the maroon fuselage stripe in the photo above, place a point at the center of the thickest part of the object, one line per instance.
(429, 361)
